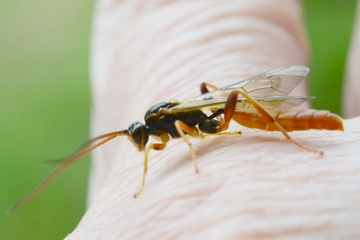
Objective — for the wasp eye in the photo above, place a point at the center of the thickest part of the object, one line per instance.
(138, 135)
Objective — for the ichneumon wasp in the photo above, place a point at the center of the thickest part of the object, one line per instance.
(258, 102)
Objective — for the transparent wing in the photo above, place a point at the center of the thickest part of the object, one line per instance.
(270, 89)
(271, 102)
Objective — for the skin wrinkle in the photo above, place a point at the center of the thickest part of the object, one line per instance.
(223, 78)
(222, 53)
(155, 64)
(205, 39)
(173, 203)
(250, 212)
(160, 77)
(155, 212)
(185, 189)
(200, 53)
(154, 41)
(229, 217)
(160, 202)
(158, 214)
(194, 59)
(268, 7)
(198, 202)
(277, 17)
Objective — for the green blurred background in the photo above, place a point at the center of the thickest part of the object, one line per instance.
(45, 101)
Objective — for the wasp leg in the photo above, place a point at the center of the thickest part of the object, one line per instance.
(182, 127)
(230, 109)
(156, 146)
(202, 135)
(204, 89)
(204, 85)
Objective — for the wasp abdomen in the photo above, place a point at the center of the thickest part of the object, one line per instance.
(291, 120)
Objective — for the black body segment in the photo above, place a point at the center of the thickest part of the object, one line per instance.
(157, 119)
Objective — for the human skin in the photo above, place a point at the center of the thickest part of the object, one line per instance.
(258, 185)
(351, 87)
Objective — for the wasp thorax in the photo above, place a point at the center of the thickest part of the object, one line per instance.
(138, 135)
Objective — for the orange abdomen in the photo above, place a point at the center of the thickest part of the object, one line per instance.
(291, 120)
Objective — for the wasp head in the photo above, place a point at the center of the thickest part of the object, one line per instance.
(138, 135)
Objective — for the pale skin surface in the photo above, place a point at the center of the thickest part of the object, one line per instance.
(258, 185)
(352, 83)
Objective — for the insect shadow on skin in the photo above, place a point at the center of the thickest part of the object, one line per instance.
(261, 102)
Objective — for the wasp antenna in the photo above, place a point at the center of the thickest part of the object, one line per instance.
(85, 149)
(84, 146)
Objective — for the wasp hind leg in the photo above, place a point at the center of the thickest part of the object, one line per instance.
(230, 109)
(204, 89)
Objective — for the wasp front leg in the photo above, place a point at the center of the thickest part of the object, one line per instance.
(164, 137)
(230, 107)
